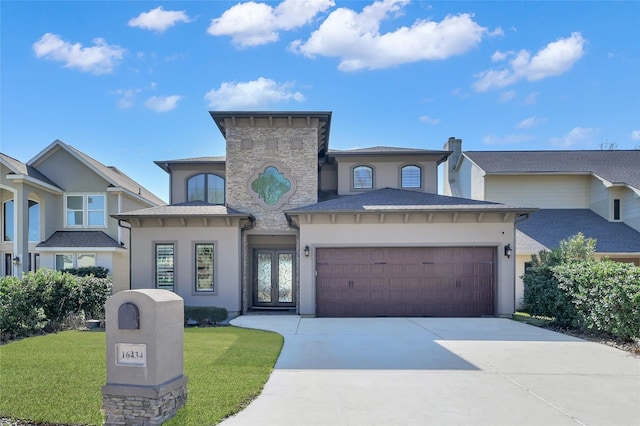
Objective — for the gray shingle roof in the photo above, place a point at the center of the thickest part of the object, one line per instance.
(386, 150)
(79, 239)
(616, 166)
(548, 227)
(165, 164)
(118, 178)
(193, 208)
(398, 200)
(18, 167)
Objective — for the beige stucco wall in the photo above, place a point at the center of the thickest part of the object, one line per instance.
(386, 173)
(180, 173)
(227, 262)
(542, 191)
(399, 234)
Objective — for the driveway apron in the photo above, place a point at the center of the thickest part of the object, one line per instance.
(439, 371)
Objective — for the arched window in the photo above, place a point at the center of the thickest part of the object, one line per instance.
(34, 221)
(411, 177)
(9, 221)
(362, 177)
(206, 187)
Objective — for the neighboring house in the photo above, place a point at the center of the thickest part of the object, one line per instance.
(283, 222)
(593, 192)
(56, 213)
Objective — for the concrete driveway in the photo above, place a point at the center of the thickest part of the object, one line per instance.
(439, 371)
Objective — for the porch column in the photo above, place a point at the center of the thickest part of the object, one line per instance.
(21, 224)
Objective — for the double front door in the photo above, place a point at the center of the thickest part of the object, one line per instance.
(274, 278)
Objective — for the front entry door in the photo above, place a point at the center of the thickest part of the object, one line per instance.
(274, 278)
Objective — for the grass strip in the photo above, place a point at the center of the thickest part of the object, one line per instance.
(57, 378)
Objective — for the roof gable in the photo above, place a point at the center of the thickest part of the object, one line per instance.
(613, 166)
(111, 174)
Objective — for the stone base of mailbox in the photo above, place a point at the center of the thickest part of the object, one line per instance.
(143, 405)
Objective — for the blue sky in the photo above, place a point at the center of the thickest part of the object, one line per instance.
(132, 82)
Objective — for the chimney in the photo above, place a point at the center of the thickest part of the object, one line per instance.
(451, 186)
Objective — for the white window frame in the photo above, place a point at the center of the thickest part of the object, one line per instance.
(55, 260)
(85, 210)
(214, 287)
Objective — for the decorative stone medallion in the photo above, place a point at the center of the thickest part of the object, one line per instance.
(271, 186)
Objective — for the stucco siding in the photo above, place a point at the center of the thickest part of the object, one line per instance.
(181, 173)
(630, 208)
(599, 198)
(406, 235)
(386, 174)
(542, 191)
(227, 272)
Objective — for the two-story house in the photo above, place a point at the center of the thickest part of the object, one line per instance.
(596, 193)
(56, 213)
(283, 222)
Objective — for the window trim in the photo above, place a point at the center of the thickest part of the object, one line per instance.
(55, 260)
(421, 177)
(616, 208)
(353, 177)
(154, 263)
(206, 187)
(85, 210)
(194, 278)
(4, 220)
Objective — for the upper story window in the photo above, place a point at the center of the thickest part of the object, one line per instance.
(8, 221)
(206, 187)
(616, 209)
(85, 210)
(362, 177)
(411, 177)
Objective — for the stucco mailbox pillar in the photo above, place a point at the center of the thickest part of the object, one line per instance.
(146, 384)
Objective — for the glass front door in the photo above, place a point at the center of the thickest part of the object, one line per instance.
(274, 278)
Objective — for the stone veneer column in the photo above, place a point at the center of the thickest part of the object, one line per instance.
(293, 150)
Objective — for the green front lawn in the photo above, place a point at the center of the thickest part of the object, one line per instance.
(57, 378)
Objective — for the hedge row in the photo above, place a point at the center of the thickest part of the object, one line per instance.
(606, 295)
(46, 299)
(568, 285)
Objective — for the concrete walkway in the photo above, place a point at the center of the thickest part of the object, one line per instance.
(439, 371)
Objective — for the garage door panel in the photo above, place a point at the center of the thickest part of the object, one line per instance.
(431, 281)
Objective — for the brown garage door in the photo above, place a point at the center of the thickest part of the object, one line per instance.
(411, 281)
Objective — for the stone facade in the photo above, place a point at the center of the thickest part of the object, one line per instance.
(291, 146)
(143, 410)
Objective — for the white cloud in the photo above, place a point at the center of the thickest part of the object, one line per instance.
(499, 56)
(251, 94)
(253, 24)
(158, 19)
(635, 135)
(577, 135)
(162, 103)
(429, 120)
(554, 59)
(356, 39)
(98, 59)
(530, 122)
(507, 96)
(127, 96)
(506, 140)
(531, 99)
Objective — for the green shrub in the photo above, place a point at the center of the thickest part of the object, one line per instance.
(96, 271)
(49, 300)
(606, 295)
(543, 295)
(19, 316)
(205, 314)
